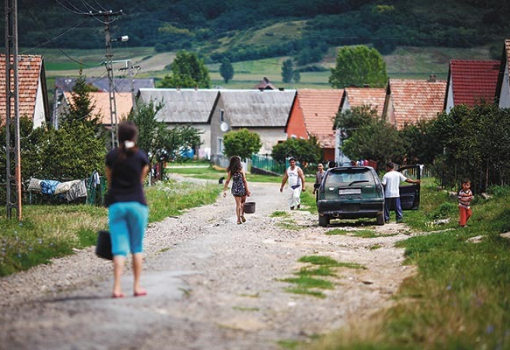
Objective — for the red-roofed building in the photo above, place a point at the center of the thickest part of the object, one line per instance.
(32, 92)
(358, 97)
(409, 101)
(101, 103)
(503, 86)
(470, 82)
(313, 113)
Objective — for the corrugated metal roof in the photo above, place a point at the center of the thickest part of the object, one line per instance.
(319, 107)
(66, 84)
(473, 81)
(254, 108)
(415, 100)
(29, 71)
(182, 106)
(373, 97)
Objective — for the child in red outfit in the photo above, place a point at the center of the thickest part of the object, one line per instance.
(465, 197)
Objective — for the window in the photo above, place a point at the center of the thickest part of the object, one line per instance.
(222, 115)
(220, 146)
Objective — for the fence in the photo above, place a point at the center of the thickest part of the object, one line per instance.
(267, 164)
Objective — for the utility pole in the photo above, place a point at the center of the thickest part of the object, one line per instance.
(129, 67)
(109, 17)
(12, 145)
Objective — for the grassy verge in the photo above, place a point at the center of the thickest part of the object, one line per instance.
(51, 231)
(459, 299)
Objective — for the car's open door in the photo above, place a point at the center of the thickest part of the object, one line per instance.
(409, 192)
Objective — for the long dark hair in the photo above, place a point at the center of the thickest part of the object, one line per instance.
(235, 165)
(128, 133)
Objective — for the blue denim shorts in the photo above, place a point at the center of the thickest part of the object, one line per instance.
(127, 222)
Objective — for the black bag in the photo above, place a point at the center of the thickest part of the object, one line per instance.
(104, 245)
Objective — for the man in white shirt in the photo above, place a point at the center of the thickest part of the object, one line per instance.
(296, 179)
(391, 182)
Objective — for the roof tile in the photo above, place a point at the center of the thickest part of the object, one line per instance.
(319, 107)
(473, 81)
(29, 71)
(373, 97)
(414, 100)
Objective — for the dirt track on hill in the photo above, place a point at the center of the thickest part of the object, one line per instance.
(212, 284)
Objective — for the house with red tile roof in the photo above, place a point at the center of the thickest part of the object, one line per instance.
(358, 97)
(503, 85)
(312, 113)
(470, 82)
(409, 101)
(32, 91)
(101, 103)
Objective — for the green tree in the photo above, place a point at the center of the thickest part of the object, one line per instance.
(287, 71)
(242, 143)
(303, 150)
(30, 144)
(161, 143)
(358, 65)
(296, 76)
(81, 106)
(188, 71)
(377, 141)
(422, 143)
(475, 143)
(226, 70)
(72, 152)
(354, 118)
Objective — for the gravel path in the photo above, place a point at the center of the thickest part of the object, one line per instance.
(212, 284)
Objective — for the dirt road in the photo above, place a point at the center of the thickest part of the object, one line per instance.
(212, 284)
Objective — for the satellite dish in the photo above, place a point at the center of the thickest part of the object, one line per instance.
(224, 127)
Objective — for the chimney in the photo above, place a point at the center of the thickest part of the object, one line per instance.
(196, 87)
(432, 78)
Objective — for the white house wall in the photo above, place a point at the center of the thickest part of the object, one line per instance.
(449, 96)
(504, 98)
(39, 113)
(339, 157)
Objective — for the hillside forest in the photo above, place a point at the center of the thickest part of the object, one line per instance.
(245, 30)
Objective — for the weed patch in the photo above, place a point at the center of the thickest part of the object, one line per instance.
(279, 214)
(308, 281)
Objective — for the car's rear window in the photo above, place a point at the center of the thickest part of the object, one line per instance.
(346, 177)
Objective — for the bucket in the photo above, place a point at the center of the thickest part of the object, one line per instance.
(249, 207)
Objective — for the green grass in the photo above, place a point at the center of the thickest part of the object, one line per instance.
(357, 233)
(308, 279)
(51, 231)
(279, 214)
(459, 298)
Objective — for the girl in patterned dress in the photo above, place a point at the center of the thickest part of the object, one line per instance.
(239, 186)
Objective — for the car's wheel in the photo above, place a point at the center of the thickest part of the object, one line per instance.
(323, 220)
(380, 219)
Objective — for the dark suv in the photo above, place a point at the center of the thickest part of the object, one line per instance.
(353, 192)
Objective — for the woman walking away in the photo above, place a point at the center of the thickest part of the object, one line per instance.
(126, 169)
(239, 186)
